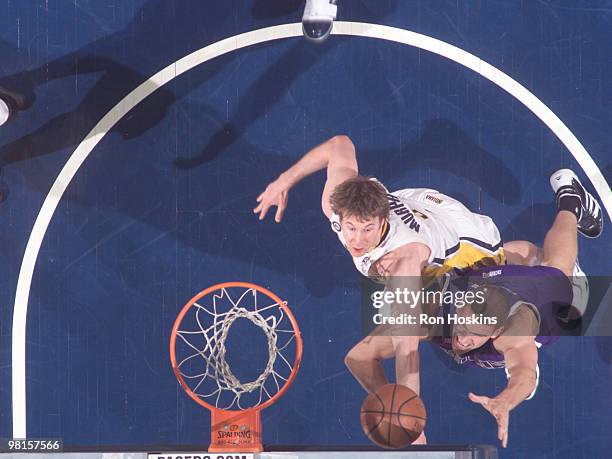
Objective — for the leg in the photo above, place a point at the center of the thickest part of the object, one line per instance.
(579, 211)
(561, 243)
(522, 253)
(574, 198)
(363, 361)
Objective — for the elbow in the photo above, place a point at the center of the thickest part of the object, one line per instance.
(532, 384)
(341, 153)
(342, 143)
(341, 140)
(359, 355)
(531, 387)
(349, 362)
(524, 380)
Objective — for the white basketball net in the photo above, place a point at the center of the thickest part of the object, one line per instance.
(204, 349)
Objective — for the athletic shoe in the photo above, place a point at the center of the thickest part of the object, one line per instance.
(5, 112)
(10, 103)
(565, 183)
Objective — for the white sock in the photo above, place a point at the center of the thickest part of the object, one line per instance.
(4, 112)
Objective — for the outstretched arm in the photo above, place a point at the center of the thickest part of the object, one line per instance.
(404, 272)
(521, 357)
(336, 154)
(402, 269)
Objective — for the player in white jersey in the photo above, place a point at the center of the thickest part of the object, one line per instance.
(395, 237)
(456, 237)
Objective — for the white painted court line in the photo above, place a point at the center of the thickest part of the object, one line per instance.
(210, 52)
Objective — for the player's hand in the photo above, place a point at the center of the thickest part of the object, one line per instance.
(421, 440)
(500, 410)
(275, 194)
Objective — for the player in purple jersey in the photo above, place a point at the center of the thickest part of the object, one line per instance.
(516, 309)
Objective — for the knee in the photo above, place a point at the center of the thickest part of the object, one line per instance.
(522, 253)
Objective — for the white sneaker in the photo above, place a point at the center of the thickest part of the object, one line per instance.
(5, 112)
(565, 183)
(318, 19)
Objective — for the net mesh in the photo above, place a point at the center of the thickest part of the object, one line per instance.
(201, 343)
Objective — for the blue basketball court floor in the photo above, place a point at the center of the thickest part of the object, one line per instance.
(148, 129)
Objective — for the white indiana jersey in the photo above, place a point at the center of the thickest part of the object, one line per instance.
(456, 237)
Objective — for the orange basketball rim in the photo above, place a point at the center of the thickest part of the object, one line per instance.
(235, 428)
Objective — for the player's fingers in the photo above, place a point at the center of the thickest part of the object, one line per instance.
(280, 210)
(502, 430)
(282, 205)
(264, 211)
(478, 399)
(503, 421)
(502, 434)
(257, 209)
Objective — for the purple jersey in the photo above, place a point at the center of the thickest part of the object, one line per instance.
(546, 288)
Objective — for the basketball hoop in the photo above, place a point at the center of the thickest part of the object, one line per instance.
(199, 359)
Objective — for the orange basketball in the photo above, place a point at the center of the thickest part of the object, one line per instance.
(393, 417)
